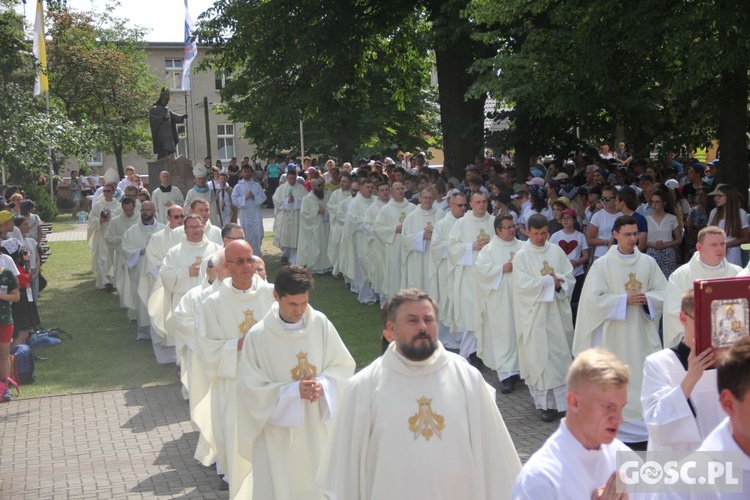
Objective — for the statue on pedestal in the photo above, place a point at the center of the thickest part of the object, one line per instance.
(164, 126)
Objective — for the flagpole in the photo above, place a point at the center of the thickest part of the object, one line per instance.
(51, 159)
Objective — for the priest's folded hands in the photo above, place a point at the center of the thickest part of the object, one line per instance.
(310, 389)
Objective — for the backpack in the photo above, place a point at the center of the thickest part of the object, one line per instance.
(22, 364)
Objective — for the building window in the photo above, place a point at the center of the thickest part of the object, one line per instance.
(182, 140)
(95, 159)
(225, 134)
(173, 69)
(221, 79)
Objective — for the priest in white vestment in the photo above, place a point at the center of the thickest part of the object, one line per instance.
(186, 312)
(165, 196)
(113, 237)
(419, 422)
(679, 393)
(102, 212)
(287, 202)
(418, 229)
(441, 275)
(248, 196)
(623, 296)
(373, 265)
(200, 190)
(288, 381)
(388, 228)
(354, 243)
(709, 261)
(203, 209)
(543, 282)
(467, 237)
(579, 461)
(180, 271)
(314, 231)
(496, 336)
(134, 244)
(223, 322)
(337, 219)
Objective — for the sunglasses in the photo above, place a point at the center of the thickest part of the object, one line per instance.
(608, 198)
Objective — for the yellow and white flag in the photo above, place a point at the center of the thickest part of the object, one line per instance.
(40, 52)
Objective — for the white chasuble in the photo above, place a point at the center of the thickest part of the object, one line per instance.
(675, 423)
(496, 333)
(441, 276)
(353, 243)
(134, 243)
(680, 281)
(631, 332)
(543, 319)
(416, 430)
(314, 231)
(172, 283)
(113, 237)
(462, 258)
(287, 201)
(337, 225)
(284, 435)
(249, 213)
(390, 216)
(224, 317)
(372, 266)
(164, 199)
(415, 271)
(101, 254)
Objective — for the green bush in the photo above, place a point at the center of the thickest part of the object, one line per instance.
(45, 205)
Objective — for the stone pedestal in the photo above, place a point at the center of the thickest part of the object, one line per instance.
(180, 169)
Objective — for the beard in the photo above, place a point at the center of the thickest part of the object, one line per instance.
(418, 351)
(147, 219)
(319, 193)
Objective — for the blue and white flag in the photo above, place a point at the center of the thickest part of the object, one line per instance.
(191, 50)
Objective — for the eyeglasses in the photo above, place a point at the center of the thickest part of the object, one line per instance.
(106, 190)
(181, 216)
(460, 205)
(507, 227)
(689, 315)
(608, 198)
(233, 239)
(241, 262)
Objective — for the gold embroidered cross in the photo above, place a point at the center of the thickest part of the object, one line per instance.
(304, 369)
(425, 421)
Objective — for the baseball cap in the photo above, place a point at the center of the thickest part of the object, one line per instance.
(536, 181)
(560, 177)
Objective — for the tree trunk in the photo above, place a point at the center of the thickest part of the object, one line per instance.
(522, 146)
(118, 157)
(733, 95)
(461, 119)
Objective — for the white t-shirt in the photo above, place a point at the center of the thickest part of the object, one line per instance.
(662, 231)
(573, 245)
(529, 211)
(604, 221)
(734, 254)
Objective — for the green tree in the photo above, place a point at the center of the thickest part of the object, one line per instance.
(28, 132)
(99, 75)
(357, 72)
(675, 75)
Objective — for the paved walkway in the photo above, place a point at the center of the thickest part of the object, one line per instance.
(139, 443)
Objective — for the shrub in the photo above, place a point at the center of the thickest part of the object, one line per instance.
(45, 205)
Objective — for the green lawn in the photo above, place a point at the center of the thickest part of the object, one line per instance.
(104, 353)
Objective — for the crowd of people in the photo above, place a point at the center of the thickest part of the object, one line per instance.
(571, 280)
(20, 277)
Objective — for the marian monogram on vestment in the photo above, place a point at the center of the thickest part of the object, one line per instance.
(428, 227)
(426, 422)
(547, 269)
(401, 219)
(304, 369)
(248, 323)
(483, 236)
(633, 285)
(512, 254)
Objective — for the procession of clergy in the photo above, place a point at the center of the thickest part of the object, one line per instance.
(271, 386)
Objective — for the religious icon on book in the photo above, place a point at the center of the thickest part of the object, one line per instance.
(722, 312)
(729, 320)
